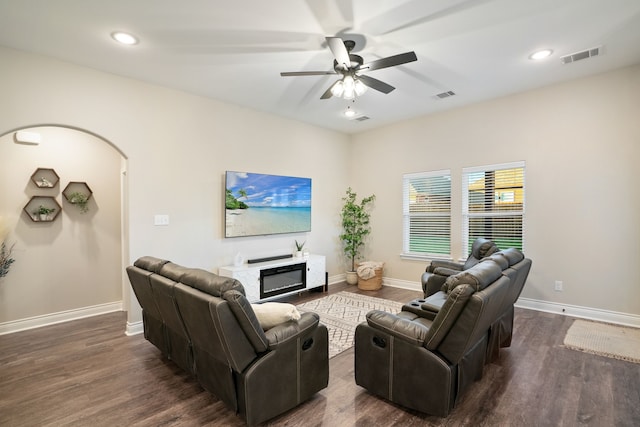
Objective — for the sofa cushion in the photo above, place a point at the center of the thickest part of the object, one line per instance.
(150, 263)
(478, 277)
(513, 255)
(210, 283)
(480, 248)
(499, 259)
(270, 314)
(172, 271)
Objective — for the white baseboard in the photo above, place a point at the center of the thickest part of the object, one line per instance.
(404, 284)
(582, 312)
(337, 279)
(386, 281)
(549, 307)
(62, 316)
(134, 328)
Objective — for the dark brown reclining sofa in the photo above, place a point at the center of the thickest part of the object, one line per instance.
(516, 267)
(204, 323)
(426, 356)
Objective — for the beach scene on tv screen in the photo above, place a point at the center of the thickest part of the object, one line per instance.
(258, 204)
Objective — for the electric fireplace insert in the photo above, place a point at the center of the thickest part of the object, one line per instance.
(280, 280)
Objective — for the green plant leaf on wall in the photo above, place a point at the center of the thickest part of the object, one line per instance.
(80, 199)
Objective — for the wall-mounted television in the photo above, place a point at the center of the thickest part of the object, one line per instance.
(259, 204)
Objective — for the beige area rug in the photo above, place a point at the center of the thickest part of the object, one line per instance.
(342, 312)
(603, 339)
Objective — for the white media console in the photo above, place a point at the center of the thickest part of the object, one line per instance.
(250, 275)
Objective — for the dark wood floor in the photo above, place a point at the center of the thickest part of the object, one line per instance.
(88, 373)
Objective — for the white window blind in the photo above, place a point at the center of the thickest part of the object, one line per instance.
(427, 213)
(493, 205)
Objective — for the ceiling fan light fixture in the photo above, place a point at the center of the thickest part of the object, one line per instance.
(359, 87)
(337, 89)
(349, 87)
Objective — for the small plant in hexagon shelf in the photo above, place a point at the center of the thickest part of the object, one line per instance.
(79, 199)
(44, 213)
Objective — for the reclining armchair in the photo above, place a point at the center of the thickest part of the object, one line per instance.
(438, 270)
(425, 362)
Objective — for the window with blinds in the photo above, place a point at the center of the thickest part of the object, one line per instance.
(493, 205)
(427, 213)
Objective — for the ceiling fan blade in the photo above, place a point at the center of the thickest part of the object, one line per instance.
(328, 93)
(376, 84)
(390, 61)
(339, 51)
(306, 73)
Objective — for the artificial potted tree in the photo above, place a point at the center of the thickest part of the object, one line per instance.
(355, 227)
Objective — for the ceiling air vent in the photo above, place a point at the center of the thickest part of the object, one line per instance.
(445, 94)
(580, 55)
(361, 118)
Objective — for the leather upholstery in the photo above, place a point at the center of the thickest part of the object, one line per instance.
(154, 329)
(514, 266)
(482, 275)
(425, 359)
(501, 330)
(204, 323)
(177, 336)
(438, 270)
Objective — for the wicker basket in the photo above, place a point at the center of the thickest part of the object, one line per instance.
(372, 284)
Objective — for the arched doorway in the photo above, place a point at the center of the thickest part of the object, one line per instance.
(73, 265)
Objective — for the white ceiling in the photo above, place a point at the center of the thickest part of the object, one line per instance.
(234, 51)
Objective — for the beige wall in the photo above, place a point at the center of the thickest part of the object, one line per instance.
(73, 261)
(581, 144)
(177, 148)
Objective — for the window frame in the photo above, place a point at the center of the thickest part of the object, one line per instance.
(407, 215)
(466, 215)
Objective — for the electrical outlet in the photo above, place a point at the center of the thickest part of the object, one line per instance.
(558, 287)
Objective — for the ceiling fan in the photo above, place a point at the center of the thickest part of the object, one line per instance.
(353, 83)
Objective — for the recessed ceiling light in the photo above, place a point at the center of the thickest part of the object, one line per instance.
(124, 38)
(349, 112)
(541, 54)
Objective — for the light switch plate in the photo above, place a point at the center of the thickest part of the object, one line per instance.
(161, 220)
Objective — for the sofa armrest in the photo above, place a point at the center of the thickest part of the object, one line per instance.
(283, 333)
(445, 271)
(404, 329)
(443, 263)
(434, 302)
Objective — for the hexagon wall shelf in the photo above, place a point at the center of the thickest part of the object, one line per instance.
(78, 193)
(42, 209)
(45, 178)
